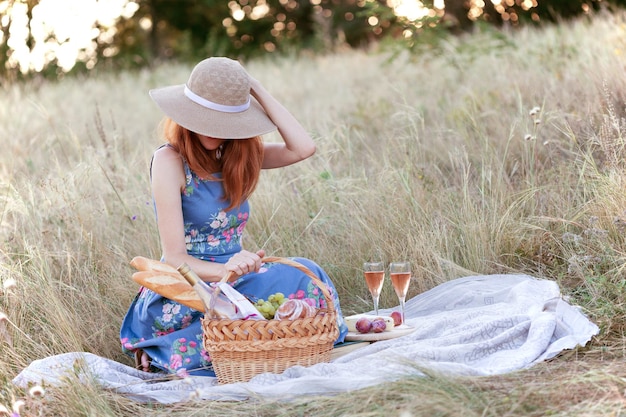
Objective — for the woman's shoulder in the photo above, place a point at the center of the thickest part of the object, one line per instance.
(166, 149)
(167, 154)
(167, 158)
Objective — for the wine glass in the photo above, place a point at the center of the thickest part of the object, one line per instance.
(374, 273)
(400, 274)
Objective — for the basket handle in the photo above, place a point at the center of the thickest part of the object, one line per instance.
(276, 259)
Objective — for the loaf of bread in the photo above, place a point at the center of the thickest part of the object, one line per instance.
(166, 281)
(146, 264)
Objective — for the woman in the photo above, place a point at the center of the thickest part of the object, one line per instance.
(201, 181)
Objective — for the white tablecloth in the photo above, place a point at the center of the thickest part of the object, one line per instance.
(478, 325)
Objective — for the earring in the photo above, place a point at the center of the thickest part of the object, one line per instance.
(218, 152)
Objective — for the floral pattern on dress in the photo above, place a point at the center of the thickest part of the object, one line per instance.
(312, 296)
(183, 352)
(222, 234)
(174, 317)
(191, 183)
(128, 344)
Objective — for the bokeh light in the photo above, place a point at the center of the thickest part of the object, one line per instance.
(69, 31)
(65, 30)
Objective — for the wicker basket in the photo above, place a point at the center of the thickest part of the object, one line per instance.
(241, 349)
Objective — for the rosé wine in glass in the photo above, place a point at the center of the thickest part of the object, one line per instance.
(400, 275)
(374, 273)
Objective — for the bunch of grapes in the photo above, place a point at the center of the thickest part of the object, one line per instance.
(268, 307)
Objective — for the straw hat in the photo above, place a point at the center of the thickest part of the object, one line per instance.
(215, 102)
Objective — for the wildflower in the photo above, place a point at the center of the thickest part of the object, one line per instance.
(537, 121)
(595, 232)
(577, 263)
(18, 406)
(194, 394)
(4, 333)
(36, 391)
(590, 259)
(534, 111)
(528, 137)
(573, 265)
(568, 237)
(9, 284)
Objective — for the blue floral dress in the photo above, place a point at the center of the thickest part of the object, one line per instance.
(171, 333)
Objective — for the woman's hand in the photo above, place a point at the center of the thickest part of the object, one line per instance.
(298, 144)
(255, 85)
(243, 262)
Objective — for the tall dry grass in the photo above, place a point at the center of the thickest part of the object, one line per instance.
(498, 152)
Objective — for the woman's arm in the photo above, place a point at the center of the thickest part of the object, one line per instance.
(298, 144)
(168, 179)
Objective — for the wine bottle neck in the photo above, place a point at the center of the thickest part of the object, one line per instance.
(188, 274)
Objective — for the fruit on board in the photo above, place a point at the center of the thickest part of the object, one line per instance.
(397, 318)
(363, 325)
(379, 325)
(351, 321)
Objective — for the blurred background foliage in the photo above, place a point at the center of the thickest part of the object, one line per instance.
(146, 32)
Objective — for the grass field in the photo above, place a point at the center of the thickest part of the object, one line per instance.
(494, 153)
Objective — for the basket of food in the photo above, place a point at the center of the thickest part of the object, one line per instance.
(241, 349)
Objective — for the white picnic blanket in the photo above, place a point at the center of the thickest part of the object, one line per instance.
(478, 325)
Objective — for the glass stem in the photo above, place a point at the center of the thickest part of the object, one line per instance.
(402, 307)
(375, 305)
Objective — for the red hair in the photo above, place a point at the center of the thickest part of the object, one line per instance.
(240, 161)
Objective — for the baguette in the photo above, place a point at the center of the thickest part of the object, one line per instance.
(141, 263)
(170, 285)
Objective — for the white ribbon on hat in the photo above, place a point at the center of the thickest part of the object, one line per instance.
(215, 106)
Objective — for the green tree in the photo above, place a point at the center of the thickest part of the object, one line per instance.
(193, 29)
(460, 15)
(196, 28)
